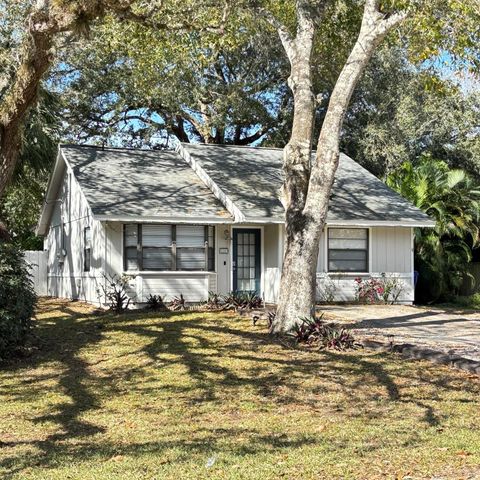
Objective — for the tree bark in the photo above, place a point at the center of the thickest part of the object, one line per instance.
(296, 168)
(45, 22)
(306, 219)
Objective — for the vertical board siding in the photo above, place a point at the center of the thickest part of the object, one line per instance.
(65, 246)
(37, 265)
(391, 253)
(391, 249)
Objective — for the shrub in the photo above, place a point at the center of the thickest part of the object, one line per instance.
(115, 292)
(248, 300)
(178, 303)
(155, 302)
(17, 299)
(314, 331)
(378, 290)
(214, 302)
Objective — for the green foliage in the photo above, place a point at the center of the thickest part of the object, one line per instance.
(21, 205)
(17, 300)
(199, 86)
(452, 198)
(20, 208)
(397, 115)
(469, 301)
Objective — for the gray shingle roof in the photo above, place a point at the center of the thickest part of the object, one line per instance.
(146, 183)
(160, 185)
(252, 177)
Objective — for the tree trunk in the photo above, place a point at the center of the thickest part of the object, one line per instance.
(296, 168)
(46, 20)
(306, 220)
(36, 58)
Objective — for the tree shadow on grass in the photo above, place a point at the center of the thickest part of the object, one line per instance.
(218, 357)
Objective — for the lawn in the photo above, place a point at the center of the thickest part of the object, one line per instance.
(195, 395)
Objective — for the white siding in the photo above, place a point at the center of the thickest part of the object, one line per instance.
(37, 264)
(390, 251)
(64, 244)
(193, 285)
(272, 262)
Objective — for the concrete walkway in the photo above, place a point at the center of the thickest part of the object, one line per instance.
(449, 331)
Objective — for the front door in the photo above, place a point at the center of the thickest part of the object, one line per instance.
(246, 260)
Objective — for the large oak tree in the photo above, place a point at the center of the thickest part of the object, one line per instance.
(309, 179)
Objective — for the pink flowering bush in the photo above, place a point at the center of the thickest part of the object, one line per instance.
(378, 290)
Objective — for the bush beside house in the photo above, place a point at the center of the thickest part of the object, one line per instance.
(17, 300)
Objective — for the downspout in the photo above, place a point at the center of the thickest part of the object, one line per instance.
(105, 264)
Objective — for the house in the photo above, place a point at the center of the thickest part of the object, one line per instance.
(208, 218)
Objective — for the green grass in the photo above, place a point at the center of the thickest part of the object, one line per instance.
(468, 302)
(463, 303)
(152, 396)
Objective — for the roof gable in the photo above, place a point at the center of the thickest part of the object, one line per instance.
(146, 183)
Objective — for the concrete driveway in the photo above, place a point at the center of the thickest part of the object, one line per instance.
(449, 331)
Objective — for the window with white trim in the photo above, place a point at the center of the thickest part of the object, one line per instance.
(347, 250)
(169, 247)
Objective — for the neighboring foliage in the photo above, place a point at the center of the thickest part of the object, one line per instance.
(202, 87)
(17, 300)
(400, 112)
(452, 198)
(21, 205)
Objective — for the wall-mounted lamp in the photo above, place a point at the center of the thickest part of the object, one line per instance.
(227, 235)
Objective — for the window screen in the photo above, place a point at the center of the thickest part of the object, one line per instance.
(191, 246)
(157, 247)
(169, 247)
(348, 250)
(131, 240)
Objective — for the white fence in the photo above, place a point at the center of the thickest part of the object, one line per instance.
(37, 262)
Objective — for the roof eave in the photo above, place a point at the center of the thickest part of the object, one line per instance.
(51, 194)
(193, 220)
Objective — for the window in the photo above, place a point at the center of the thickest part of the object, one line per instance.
(169, 247)
(348, 250)
(87, 245)
(130, 243)
(157, 252)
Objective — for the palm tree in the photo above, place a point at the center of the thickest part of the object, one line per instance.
(452, 197)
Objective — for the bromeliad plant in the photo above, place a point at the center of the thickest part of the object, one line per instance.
(115, 292)
(245, 300)
(314, 331)
(214, 302)
(156, 302)
(177, 304)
